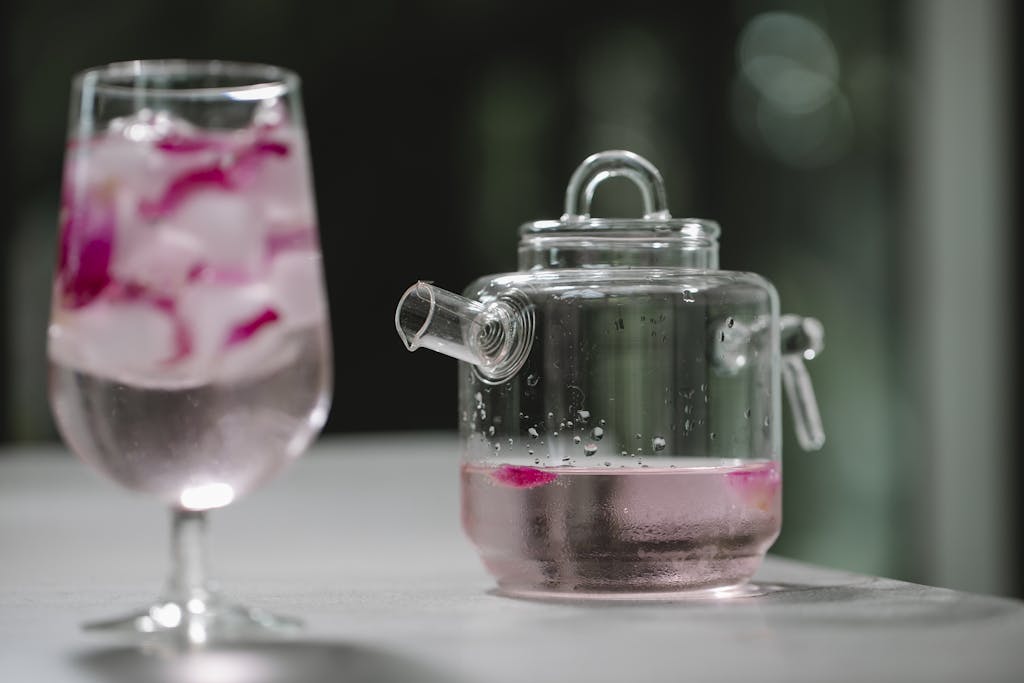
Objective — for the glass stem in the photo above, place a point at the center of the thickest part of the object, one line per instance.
(188, 556)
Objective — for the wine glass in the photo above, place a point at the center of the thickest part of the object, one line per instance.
(189, 342)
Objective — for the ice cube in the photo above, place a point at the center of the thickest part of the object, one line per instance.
(212, 312)
(161, 262)
(225, 226)
(126, 341)
(296, 283)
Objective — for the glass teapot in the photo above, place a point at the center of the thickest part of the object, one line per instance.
(619, 400)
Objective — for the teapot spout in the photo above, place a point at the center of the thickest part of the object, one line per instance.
(495, 337)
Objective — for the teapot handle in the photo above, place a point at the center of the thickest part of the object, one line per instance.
(599, 167)
(802, 339)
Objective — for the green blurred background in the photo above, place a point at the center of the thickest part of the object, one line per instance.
(864, 156)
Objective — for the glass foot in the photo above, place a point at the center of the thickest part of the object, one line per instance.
(198, 622)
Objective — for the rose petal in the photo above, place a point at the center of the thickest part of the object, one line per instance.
(244, 331)
(184, 185)
(288, 241)
(522, 477)
(86, 247)
(179, 144)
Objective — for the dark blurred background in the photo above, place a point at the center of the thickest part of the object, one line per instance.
(864, 156)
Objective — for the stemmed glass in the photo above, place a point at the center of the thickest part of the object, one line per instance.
(189, 343)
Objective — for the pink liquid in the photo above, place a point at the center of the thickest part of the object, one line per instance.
(197, 447)
(600, 530)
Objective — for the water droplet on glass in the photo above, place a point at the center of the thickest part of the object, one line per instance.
(590, 449)
(531, 380)
(497, 446)
(766, 421)
(583, 414)
(730, 322)
(658, 443)
(746, 413)
(576, 440)
(551, 414)
(638, 435)
(569, 424)
(713, 436)
(532, 432)
(687, 425)
(511, 442)
(601, 421)
(688, 296)
(703, 387)
(688, 409)
(597, 433)
(536, 461)
(607, 464)
(490, 430)
(624, 453)
(554, 433)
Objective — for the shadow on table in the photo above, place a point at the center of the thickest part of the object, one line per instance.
(258, 662)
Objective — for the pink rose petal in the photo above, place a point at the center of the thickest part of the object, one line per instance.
(180, 144)
(247, 329)
(522, 477)
(86, 246)
(184, 185)
(287, 241)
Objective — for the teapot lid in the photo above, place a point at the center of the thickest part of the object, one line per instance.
(694, 239)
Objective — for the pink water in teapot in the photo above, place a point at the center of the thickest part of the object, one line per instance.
(622, 530)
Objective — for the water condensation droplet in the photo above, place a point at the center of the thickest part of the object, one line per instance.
(703, 387)
(590, 449)
(607, 464)
(601, 422)
(490, 430)
(497, 446)
(531, 380)
(688, 296)
(569, 424)
(597, 433)
(532, 431)
(746, 413)
(766, 422)
(713, 436)
(658, 443)
(638, 436)
(583, 414)
(554, 433)
(576, 440)
(511, 442)
(536, 461)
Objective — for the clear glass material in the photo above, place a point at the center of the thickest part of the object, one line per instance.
(637, 449)
(189, 341)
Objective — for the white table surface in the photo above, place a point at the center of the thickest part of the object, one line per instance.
(361, 538)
